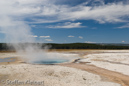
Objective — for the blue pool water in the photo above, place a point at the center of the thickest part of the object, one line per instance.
(9, 59)
(52, 61)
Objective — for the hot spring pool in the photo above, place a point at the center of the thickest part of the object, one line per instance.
(9, 59)
(52, 61)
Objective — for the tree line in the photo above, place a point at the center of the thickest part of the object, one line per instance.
(4, 47)
(86, 46)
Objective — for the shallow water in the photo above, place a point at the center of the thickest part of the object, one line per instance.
(52, 61)
(9, 59)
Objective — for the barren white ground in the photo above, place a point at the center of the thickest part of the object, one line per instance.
(115, 60)
(52, 75)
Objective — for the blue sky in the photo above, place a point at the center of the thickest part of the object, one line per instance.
(70, 21)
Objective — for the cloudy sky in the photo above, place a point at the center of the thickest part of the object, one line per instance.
(67, 21)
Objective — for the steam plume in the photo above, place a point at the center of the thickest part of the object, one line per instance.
(13, 16)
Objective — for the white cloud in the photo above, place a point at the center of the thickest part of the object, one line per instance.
(35, 36)
(70, 36)
(33, 25)
(89, 42)
(123, 41)
(105, 13)
(113, 12)
(16, 14)
(48, 39)
(3, 32)
(124, 26)
(68, 25)
(44, 36)
(80, 37)
(43, 11)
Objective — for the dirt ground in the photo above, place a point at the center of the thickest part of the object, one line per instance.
(109, 75)
(106, 75)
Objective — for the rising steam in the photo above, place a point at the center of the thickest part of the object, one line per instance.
(18, 32)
